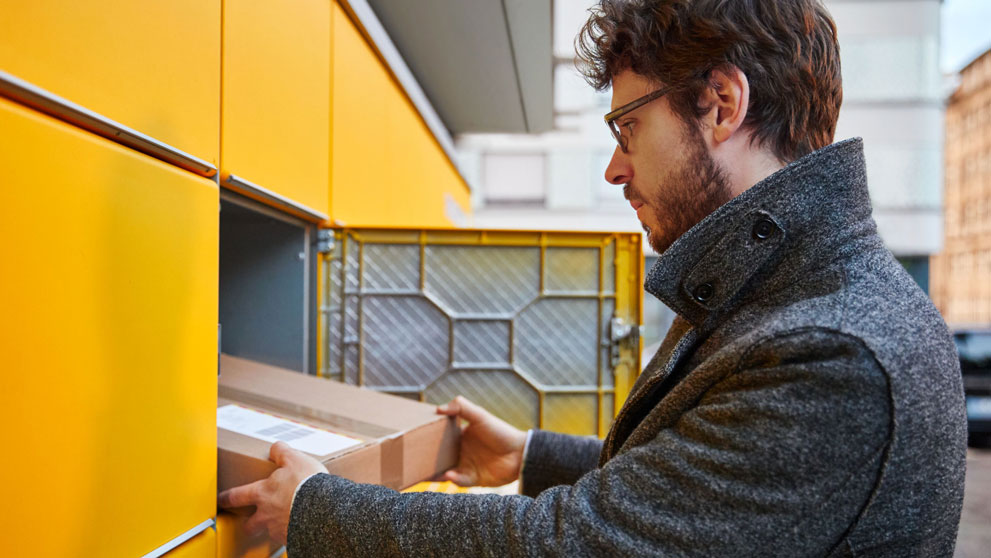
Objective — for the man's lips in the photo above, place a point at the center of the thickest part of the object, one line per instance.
(627, 193)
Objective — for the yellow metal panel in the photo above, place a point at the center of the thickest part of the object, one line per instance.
(276, 97)
(576, 413)
(388, 169)
(203, 545)
(152, 66)
(108, 343)
(629, 308)
(233, 542)
(433, 486)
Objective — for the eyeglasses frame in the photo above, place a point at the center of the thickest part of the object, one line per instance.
(629, 107)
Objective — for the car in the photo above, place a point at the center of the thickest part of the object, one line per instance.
(974, 347)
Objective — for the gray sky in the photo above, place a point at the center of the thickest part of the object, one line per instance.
(966, 32)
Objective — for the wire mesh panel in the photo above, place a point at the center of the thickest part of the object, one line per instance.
(556, 342)
(520, 323)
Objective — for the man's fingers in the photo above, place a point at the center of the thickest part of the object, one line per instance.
(254, 524)
(239, 496)
(449, 409)
(461, 407)
(459, 478)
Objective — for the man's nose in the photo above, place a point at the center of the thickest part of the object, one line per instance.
(619, 170)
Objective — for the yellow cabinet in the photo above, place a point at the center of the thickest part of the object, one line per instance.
(109, 343)
(276, 100)
(151, 66)
(234, 542)
(388, 169)
(203, 545)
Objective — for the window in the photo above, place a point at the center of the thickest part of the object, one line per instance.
(514, 178)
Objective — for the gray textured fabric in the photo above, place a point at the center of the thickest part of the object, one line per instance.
(554, 459)
(808, 402)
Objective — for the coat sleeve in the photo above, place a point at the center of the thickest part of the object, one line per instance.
(553, 459)
(775, 459)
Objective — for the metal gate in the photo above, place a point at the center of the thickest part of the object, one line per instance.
(538, 327)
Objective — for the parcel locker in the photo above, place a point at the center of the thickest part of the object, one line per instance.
(110, 316)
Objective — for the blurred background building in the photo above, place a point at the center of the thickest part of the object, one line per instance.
(961, 286)
(892, 98)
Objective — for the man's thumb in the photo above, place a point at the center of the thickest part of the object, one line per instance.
(459, 478)
(280, 453)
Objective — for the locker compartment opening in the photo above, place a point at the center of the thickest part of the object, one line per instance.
(267, 273)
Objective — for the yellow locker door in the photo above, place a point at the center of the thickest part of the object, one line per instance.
(151, 66)
(276, 103)
(203, 545)
(538, 327)
(234, 542)
(389, 170)
(109, 343)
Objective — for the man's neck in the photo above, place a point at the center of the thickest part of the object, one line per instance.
(745, 165)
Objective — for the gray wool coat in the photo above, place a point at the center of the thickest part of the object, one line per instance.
(807, 401)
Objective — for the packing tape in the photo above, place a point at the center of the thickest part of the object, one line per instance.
(348, 425)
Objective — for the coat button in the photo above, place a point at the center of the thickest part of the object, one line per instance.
(763, 229)
(703, 292)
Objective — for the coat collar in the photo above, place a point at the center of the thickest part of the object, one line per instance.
(767, 236)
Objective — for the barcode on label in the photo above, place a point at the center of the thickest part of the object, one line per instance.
(285, 432)
(271, 428)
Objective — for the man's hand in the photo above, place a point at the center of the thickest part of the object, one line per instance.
(272, 497)
(491, 449)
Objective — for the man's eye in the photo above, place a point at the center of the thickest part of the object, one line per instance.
(629, 128)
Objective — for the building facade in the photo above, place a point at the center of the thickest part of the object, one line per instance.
(961, 274)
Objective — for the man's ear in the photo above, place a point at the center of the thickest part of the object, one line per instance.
(728, 97)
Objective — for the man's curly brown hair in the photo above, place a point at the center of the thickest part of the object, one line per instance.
(786, 48)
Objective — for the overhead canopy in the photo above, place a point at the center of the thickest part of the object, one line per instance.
(484, 65)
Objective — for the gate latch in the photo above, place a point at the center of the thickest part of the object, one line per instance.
(619, 331)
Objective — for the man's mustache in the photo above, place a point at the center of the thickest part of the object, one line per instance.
(630, 193)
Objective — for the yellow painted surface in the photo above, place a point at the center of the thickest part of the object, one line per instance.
(276, 97)
(108, 343)
(629, 307)
(203, 545)
(233, 542)
(152, 66)
(387, 168)
(445, 487)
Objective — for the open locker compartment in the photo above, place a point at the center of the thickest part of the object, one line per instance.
(540, 328)
(267, 273)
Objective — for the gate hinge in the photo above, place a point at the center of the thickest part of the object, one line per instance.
(325, 241)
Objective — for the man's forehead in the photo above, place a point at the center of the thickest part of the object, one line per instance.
(628, 86)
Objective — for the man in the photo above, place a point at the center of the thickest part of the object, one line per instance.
(807, 400)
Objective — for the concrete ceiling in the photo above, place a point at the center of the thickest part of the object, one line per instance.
(485, 65)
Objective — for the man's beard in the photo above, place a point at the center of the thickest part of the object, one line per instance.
(693, 191)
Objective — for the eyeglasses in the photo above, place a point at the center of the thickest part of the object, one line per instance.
(613, 116)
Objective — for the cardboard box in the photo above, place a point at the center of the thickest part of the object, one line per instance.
(397, 442)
